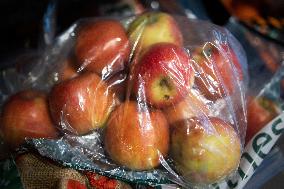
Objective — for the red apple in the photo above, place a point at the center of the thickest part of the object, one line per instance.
(81, 104)
(135, 138)
(260, 111)
(26, 115)
(163, 75)
(155, 27)
(189, 107)
(205, 149)
(102, 47)
(215, 77)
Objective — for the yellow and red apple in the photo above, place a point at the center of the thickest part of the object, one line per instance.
(218, 71)
(205, 149)
(151, 28)
(102, 47)
(26, 115)
(136, 138)
(81, 104)
(163, 76)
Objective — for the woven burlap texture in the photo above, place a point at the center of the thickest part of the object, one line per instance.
(39, 173)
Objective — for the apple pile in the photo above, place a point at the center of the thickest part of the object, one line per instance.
(145, 92)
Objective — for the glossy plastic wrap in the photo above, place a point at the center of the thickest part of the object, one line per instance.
(154, 98)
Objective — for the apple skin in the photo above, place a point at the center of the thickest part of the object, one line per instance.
(151, 28)
(102, 47)
(191, 106)
(26, 115)
(215, 76)
(118, 84)
(204, 150)
(163, 75)
(83, 102)
(260, 111)
(135, 138)
(68, 70)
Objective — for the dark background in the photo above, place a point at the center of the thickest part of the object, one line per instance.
(22, 21)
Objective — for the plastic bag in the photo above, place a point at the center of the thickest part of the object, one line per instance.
(153, 98)
(265, 119)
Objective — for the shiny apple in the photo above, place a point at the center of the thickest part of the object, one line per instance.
(81, 104)
(26, 115)
(102, 47)
(154, 27)
(136, 138)
(204, 149)
(163, 76)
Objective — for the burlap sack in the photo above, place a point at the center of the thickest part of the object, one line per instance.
(39, 173)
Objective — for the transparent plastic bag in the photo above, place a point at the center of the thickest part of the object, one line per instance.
(153, 98)
(265, 126)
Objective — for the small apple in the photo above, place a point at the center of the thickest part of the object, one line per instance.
(215, 77)
(155, 27)
(205, 149)
(26, 115)
(102, 47)
(163, 75)
(260, 111)
(191, 106)
(135, 138)
(81, 104)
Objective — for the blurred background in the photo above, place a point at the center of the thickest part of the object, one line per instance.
(22, 21)
(29, 26)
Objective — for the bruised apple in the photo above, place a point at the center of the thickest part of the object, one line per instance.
(81, 104)
(102, 47)
(217, 71)
(204, 149)
(163, 75)
(260, 111)
(191, 106)
(151, 28)
(26, 115)
(135, 138)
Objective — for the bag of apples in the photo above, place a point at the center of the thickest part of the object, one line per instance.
(153, 98)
